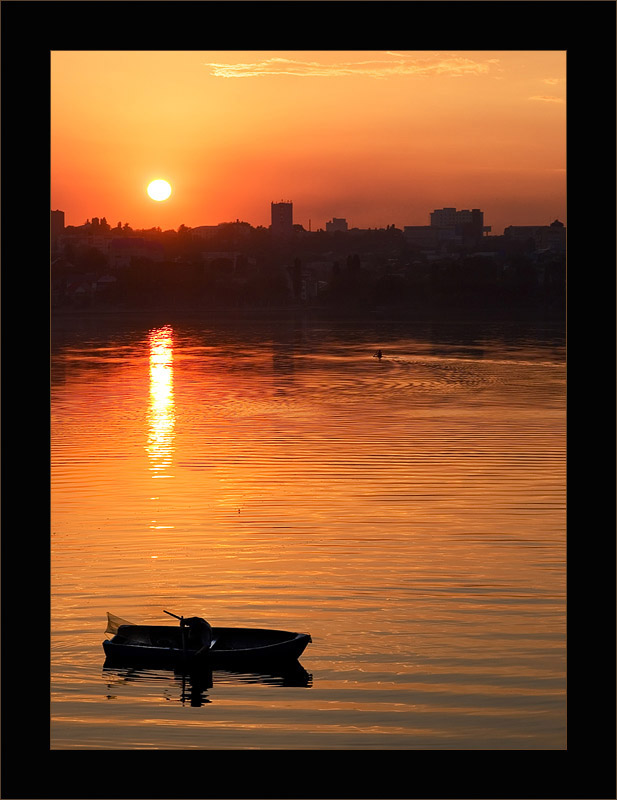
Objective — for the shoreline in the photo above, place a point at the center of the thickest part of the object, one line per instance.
(382, 314)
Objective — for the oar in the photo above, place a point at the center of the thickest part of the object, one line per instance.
(181, 632)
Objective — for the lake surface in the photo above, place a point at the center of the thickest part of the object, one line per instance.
(408, 513)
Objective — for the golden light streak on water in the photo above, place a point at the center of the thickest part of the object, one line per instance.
(409, 513)
(161, 416)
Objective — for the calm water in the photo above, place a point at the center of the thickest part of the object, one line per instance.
(409, 514)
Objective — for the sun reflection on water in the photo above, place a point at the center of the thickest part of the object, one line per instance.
(409, 515)
(161, 417)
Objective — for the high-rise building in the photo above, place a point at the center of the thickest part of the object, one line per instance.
(450, 217)
(444, 218)
(56, 224)
(465, 223)
(337, 224)
(282, 219)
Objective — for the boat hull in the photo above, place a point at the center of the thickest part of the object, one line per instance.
(162, 645)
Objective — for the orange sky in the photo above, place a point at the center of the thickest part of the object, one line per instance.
(377, 137)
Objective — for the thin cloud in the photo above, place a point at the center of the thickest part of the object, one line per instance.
(392, 65)
(551, 81)
(547, 98)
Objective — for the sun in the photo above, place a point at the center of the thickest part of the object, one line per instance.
(159, 190)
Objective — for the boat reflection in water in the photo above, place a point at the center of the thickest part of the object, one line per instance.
(193, 685)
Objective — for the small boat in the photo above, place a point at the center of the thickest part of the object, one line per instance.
(170, 645)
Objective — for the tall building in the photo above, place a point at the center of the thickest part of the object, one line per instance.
(56, 224)
(444, 218)
(451, 218)
(469, 225)
(448, 227)
(336, 224)
(282, 219)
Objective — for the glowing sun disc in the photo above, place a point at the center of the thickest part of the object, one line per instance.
(159, 190)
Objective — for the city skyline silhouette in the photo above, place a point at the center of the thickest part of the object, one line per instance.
(378, 138)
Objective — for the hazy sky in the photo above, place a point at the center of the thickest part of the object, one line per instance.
(377, 137)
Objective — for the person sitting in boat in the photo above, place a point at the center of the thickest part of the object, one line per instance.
(200, 634)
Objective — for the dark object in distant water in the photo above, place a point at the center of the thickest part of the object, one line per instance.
(167, 645)
(378, 354)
